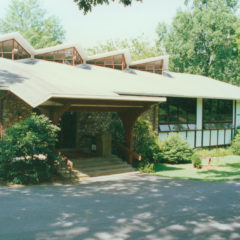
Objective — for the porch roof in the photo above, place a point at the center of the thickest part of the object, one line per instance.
(38, 81)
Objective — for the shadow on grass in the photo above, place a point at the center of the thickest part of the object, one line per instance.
(225, 174)
(233, 165)
(162, 167)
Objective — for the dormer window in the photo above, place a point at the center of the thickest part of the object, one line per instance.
(68, 56)
(115, 61)
(153, 67)
(11, 49)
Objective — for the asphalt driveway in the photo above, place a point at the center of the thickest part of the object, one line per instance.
(134, 207)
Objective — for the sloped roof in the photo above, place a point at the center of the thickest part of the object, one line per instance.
(165, 59)
(36, 81)
(18, 37)
(40, 80)
(125, 52)
(61, 47)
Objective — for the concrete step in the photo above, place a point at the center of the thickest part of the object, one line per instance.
(103, 173)
(101, 167)
(95, 160)
(96, 166)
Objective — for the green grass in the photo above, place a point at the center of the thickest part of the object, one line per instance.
(228, 169)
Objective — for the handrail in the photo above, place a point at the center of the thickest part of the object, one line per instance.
(124, 148)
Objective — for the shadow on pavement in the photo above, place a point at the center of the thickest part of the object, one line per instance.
(141, 207)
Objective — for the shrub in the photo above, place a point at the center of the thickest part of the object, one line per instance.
(236, 143)
(146, 167)
(174, 149)
(196, 161)
(145, 140)
(27, 151)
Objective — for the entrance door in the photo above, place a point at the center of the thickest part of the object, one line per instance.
(67, 135)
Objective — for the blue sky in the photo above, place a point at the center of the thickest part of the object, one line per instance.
(109, 22)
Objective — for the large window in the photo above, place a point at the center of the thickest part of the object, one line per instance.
(115, 62)
(153, 67)
(217, 114)
(177, 114)
(11, 49)
(68, 56)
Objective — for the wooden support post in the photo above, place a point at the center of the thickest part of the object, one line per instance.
(129, 117)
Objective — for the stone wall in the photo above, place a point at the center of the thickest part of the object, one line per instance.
(89, 126)
(14, 111)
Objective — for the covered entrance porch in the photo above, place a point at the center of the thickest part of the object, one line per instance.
(128, 108)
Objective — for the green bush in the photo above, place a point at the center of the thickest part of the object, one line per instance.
(174, 149)
(236, 143)
(145, 140)
(146, 167)
(196, 161)
(27, 151)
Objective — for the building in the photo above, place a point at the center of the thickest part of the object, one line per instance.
(64, 79)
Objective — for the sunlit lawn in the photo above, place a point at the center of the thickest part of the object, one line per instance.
(225, 168)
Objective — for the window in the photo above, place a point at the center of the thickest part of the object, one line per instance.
(177, 114)
(11, 49)
(153, 67)
(217, 114)
(115, 62)
(68, 56)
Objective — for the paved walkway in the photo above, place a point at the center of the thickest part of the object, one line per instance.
(132, 207)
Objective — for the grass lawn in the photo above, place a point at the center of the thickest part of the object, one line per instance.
(225, 168)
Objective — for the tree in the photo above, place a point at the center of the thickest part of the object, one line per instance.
(202, 41)
(87, 5)
(30, 20)
(139, 47)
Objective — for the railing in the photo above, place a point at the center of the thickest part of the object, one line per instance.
(127, 150)
(206, 137)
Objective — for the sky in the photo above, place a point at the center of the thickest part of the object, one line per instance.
(108, 22)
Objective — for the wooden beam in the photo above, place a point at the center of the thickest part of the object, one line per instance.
(54, 113)
(129, 118)
(97, 102)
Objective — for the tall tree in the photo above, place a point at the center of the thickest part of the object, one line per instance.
(139, 47)
(201, 40)
(87, 5)
(29, 19)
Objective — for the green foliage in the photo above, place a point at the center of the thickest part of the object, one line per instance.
(196, 161)
(145, 140)
(139, 47)
(29, 19)
(236, 143)
(27, 151)
(202, 40)
(146, 167)
(214, 152)
(174, 149)
(87, 5)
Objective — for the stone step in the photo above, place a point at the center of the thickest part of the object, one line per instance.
(102, 173)
(96, 160)
(97, 164)
(101, 167)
